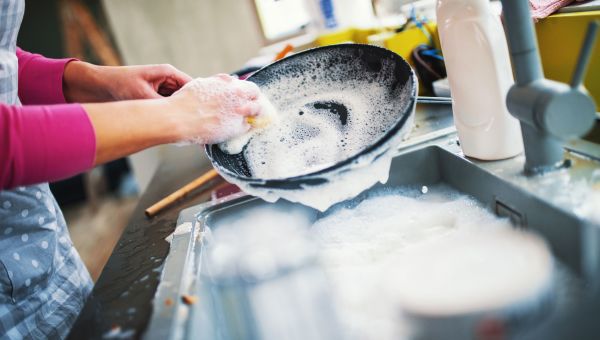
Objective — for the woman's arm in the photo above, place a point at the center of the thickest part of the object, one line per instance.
(46, 143)
(40, 79)
(87, 83)
(56, 81)
(205, 111)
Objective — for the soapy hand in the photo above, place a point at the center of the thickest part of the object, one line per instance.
(215, 109)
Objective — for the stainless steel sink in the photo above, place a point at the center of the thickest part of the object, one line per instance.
(432, 155)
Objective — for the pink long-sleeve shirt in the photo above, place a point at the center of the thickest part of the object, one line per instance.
(46, 139)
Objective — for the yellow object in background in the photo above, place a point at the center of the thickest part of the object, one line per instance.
(336, 37)
(351, 34)
(361, 35)
(560, 37)
(403, 43)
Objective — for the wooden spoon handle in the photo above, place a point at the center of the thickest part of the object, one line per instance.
(181, 192)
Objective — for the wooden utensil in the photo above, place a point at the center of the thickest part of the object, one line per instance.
(286, 49)
(181, 192)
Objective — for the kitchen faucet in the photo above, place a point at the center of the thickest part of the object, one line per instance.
(549, 111)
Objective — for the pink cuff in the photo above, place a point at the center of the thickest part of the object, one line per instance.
(44, 143)
(41, 79)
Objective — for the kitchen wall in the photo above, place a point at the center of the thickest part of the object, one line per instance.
(201, 37)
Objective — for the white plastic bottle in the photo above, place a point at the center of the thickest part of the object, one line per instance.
(479, 72)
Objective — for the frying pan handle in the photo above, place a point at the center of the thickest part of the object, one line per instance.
(434, 100)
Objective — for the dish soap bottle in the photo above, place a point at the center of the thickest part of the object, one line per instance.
(479, 72)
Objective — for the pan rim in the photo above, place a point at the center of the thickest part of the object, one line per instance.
(368, 150)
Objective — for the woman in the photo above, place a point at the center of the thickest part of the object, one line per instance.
(43, 283)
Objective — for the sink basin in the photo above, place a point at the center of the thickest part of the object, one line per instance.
(574, 241)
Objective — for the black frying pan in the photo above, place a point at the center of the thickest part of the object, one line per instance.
(339, 65)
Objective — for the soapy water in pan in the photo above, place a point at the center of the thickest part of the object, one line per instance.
(322, 121)
(332, 107)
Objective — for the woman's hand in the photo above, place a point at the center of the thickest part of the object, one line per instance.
(205, 110)
(88, 83)
(213, 110)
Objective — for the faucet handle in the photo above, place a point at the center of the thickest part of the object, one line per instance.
(561, 99)
(585, 54)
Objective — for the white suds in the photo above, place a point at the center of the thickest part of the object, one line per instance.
(268, 116)
(341, 185)
(316, 131)
(396, 257)
(219, 100)
(258, 242)
(439, 253)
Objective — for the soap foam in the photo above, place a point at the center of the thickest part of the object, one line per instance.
(381, 252)
(268, 115)
(483, 270)
(260, 241)
(220, 97)
(578, 193)
(311, 133)
(342, 184)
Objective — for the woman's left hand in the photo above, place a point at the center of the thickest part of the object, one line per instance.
(88, 83)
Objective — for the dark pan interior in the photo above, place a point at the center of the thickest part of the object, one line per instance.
(336, 65)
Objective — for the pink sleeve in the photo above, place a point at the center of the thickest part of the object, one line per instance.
(40, 79)
(44, 143)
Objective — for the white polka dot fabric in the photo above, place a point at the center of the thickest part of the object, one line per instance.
(43, 283)
(37, 259)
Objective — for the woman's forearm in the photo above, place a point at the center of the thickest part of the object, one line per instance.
(84, 83)
(205, 111)
(52, 142)
(87, 83)
(126, 127)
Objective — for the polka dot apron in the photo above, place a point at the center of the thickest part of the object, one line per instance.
(43, 283)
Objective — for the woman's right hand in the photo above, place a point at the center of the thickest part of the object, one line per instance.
(204, 111)
(213, 110)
